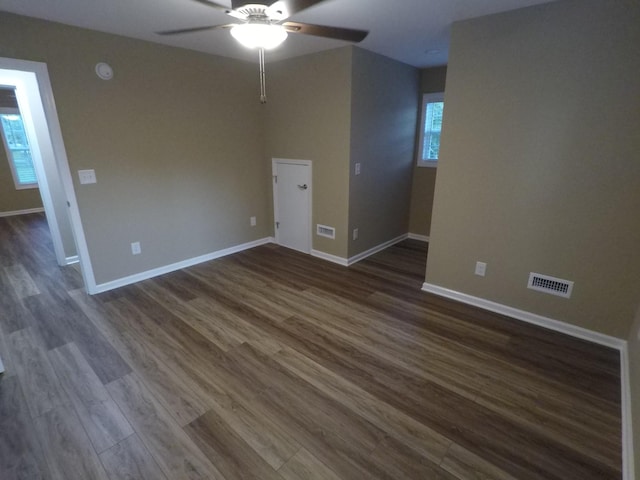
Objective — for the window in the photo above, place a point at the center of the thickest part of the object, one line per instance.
(17, 148)
(430, 128)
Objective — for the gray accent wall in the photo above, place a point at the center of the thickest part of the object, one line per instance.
(338, 108)
(384, 113)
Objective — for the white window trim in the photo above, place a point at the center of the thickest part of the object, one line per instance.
(426, 98)
(9, 153)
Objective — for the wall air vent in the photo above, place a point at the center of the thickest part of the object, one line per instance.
(552, 285)
(324, 231)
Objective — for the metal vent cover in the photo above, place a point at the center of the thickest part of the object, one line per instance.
(324, 231)
(551, 285)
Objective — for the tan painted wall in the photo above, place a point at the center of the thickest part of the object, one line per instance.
(308, 117)
(432, 80)
(634, 373)
(539, 165)
(383, 123)
(12, 199)
(175, 139)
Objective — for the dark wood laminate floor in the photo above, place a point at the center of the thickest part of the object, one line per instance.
(270, 364)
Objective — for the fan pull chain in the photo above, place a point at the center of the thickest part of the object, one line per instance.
(263, 84)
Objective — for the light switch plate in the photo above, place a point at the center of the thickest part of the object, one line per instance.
(87, 176)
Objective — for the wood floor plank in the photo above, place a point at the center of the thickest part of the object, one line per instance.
(104, 360)
(392, 421)
(100, 416)
(13, 314)
(231, 454)
(129, 460)
(265, 305)
(444, 411)
(234, 324)
(304, 466)
(402, 463)
(273, 443)
(204, 322)
(256, 428)
(68, 450)
(21, 456)
(456, 372)
(169, 387)
(48, 319)
(550, 415)
(22, 283)
(7, 369)
(281, 365)
(41, 386)
(177, 392)
(464, 465)
(417, 319)
(172, 449)
(321, 425)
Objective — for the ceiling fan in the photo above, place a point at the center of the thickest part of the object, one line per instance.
(262, 25)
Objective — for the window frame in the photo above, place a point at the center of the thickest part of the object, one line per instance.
(427, 98)
(9, 152)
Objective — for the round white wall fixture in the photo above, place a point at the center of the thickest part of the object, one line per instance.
(104, 71)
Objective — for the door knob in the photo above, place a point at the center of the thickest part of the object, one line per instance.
(303, 187)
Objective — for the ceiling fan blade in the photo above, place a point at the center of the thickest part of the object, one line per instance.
(194, 29)
(226, 10)
(348, 34)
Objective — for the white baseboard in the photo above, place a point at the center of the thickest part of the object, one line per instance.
(575, 331)
(417, 236)
(330, 258)
(21, 212)
(557, 325)
(138, 277)
(628, 458)
(376, 249)
(345, 262)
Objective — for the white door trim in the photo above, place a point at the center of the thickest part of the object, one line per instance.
(33, 90)
(274, 169)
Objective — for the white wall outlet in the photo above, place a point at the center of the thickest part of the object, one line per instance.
(481, 268)
(355, 233)
(357, 169)
(87, 176)
(136, 249)
(252, 221)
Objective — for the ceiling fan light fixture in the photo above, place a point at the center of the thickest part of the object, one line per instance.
(259, 35)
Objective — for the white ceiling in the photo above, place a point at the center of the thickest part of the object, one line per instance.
(411, 31)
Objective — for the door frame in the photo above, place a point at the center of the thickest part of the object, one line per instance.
(37, 105)
(274, 170)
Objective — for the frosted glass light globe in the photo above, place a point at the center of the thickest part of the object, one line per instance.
(259, 35)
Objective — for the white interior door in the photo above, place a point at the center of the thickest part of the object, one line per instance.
(292, 203)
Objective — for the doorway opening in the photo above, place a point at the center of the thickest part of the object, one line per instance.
(34, 96)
